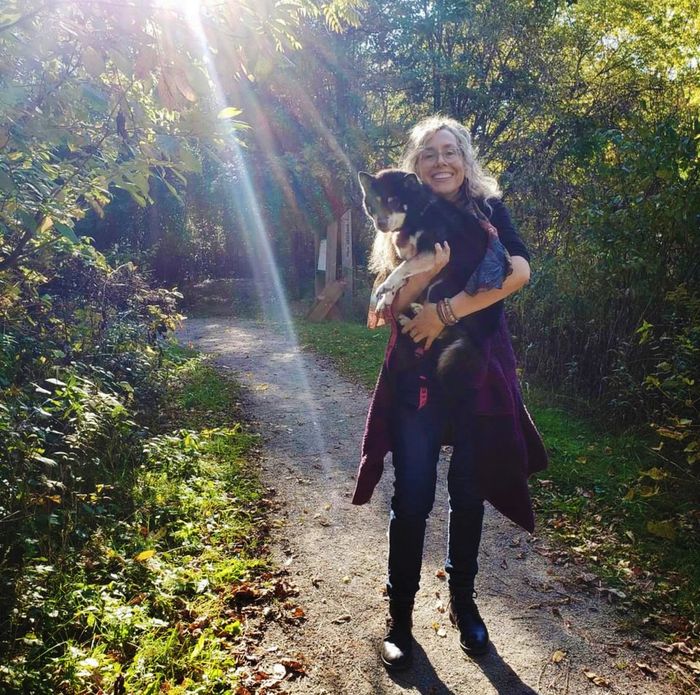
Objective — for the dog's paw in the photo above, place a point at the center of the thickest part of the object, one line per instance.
(385, 287)
(385, 300)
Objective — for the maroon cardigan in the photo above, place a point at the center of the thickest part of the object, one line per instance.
(507, 446)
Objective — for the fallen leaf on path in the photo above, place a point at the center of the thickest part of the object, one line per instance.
(440, 574)
(298, 613)
(683, 648)
(600, 681)
(295, 667)
(694, 666)
(558, 656)
(441, 632)
(345, 580)
(283, 589)
(341, 619)
(645, 668)
(244, 593)
(612, 593)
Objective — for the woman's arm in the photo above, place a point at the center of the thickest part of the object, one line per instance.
(427, 325)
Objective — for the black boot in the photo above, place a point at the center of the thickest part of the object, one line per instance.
(473, 635)
(397, 646)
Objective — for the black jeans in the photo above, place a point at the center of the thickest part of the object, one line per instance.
(419, 420)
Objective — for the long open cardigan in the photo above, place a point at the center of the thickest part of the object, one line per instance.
(507, 445)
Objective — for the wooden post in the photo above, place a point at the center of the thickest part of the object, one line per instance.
(331, 253)
(346, 259)
(319, 272)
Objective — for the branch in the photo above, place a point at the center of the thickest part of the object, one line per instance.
(24, 18)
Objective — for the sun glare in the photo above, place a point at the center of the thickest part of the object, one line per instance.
(268, 278)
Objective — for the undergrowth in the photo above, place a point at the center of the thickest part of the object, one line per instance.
(135, 592)
(619, 510)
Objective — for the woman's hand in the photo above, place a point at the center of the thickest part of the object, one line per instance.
(426, 326)
(442, 258)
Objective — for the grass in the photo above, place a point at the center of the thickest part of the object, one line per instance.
(607, 499)
(356, 351)
(142, 599)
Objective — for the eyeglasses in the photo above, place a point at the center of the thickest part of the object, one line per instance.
(430, 155)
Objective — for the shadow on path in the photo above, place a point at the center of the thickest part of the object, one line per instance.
(425, 680)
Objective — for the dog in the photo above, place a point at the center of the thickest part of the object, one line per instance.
(400, 205)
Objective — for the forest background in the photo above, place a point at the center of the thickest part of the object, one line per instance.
(151, 145)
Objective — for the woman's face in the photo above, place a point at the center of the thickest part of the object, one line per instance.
(441, 164)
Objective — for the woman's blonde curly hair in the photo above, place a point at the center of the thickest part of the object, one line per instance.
(479, 186)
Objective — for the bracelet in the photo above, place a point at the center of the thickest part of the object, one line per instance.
(440, 312)
(445, 312)
(449, 312)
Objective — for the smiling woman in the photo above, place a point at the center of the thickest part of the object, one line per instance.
(495, 445)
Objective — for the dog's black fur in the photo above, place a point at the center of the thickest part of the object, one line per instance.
(399, 204)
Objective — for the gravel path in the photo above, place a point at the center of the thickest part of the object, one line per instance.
(311, 420)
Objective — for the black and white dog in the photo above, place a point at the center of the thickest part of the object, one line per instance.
(400, 205)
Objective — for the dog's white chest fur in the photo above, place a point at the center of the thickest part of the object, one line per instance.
(406, 245)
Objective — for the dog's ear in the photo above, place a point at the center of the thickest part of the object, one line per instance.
(365, 180)
(411, 182)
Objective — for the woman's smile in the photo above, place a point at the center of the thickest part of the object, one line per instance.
(441, 164)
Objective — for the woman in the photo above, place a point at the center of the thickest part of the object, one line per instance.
(495, 444)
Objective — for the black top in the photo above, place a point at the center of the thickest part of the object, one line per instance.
(507, 231)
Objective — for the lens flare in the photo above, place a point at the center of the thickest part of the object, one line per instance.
(267, 277)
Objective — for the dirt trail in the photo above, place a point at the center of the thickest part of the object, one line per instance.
(312, 420)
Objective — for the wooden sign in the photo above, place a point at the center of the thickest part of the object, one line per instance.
(322, 256)
(346, 259)
(331, 253)
(326, 301)
(346, 239)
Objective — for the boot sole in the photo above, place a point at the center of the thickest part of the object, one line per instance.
(471, 651)
(476, 652)
(396, 667)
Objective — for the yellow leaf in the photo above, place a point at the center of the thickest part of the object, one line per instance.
(46, 223)
(228, 112)
(648, 490)
(558, 656)
(654, 473)
(144, 555)
(662, 529)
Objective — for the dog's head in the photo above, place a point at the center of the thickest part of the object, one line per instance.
(386, 197)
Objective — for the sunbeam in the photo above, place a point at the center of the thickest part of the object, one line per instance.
(267, 277)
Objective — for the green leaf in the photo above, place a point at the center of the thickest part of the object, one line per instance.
(66, 231)
(229, 112)
(6, 183)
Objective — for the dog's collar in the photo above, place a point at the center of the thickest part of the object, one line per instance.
(432, 201)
